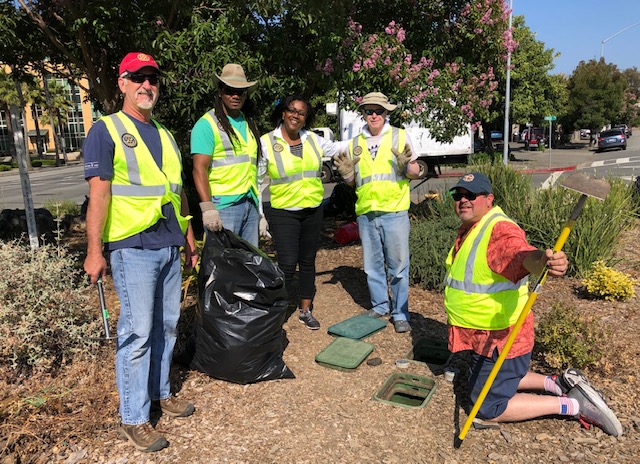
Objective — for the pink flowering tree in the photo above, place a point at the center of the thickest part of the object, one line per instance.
(445, 92)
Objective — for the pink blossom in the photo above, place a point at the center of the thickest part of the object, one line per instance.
(328, 67)
(401, 35)
(356, 67)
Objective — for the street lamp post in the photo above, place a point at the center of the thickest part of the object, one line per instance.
(506, 131)
(614, 35)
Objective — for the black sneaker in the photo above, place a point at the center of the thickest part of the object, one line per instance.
(308, 320)
(594, 410)
(401, 326)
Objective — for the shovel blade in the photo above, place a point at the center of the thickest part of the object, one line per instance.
(585, 185)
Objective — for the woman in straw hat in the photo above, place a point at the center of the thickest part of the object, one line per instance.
(225, 151)
(293, 160)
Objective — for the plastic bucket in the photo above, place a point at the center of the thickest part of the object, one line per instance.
(346, 233)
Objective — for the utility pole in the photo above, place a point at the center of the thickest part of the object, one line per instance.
(507, 131)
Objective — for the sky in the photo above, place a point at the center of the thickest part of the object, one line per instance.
(576, 29)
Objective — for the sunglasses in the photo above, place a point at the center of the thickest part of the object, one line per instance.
(233, 91)
(378, 111)
(139, 78)
(457, 196)
(301, 114)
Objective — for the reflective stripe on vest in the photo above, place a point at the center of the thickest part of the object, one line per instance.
(486, 301)
(230, 154)
(233, 168)
(379, 187)
(136, 189)
(139, 187)
(393, 177)
(284, 178)
(295, 181)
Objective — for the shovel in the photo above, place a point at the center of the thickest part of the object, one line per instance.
(587, 187)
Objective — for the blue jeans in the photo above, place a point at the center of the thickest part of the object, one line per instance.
(148, 284)
(243, 219)
(385, 247)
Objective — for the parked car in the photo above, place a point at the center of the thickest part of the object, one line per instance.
(535, 138)
(612, 138)
(624, 128)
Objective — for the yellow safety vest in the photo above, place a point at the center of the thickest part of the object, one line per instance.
(379, 187)
(295, 182)
(475, 297)
(233, 169)
(139, 187)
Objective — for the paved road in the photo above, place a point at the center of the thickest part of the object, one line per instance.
(67, 182)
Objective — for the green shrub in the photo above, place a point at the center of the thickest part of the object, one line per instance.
(5, 167)
(607, 283)
(565, 338)
(429, 244)
(44, 315)
(59, 208)
(36, 164)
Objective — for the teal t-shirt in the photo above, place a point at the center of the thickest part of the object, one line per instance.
(202, 142)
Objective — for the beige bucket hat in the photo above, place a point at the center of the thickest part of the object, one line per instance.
(233, 76)
(377, 98)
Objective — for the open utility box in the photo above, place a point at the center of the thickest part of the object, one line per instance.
(406, 390)
(430, 351)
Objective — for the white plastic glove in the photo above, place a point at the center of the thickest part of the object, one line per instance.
(264, 228)
(345, 165)
(402, 158)
(210, 216)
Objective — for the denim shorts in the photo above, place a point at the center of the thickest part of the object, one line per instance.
(504, 386)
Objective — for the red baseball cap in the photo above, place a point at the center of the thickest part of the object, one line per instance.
(135, 61)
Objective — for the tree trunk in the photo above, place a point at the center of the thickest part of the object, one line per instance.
(12, 146)
(39, 144)
(51, 118)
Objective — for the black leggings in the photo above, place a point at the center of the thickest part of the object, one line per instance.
(296, 234)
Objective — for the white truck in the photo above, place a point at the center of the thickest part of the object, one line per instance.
(431, 153)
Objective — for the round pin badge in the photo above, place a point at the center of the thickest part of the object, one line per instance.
(357, 151)
(129, 140)
(278, 147)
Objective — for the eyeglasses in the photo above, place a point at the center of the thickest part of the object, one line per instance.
(233, 91)
(139, 78)
(301, 114)
(457, 196)
(378, 111)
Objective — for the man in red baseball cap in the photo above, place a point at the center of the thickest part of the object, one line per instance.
(138, 214)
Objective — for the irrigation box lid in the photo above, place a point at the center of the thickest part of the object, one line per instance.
(357, 327)
(344, 354)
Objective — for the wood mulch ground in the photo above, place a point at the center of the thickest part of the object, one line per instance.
(326, 415)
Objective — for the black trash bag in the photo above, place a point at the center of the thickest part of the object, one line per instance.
(242, 307)
(341, 202)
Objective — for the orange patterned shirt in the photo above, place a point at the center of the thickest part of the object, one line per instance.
(506, 251)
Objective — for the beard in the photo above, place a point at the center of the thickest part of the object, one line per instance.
(147, 104)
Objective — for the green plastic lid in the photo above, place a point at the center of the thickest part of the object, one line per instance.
(357, 327)
(344, 353)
